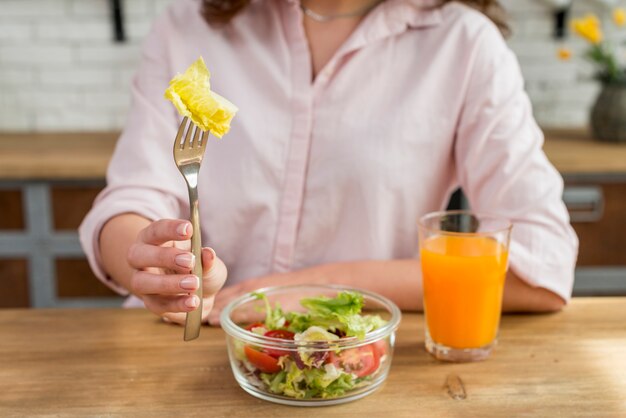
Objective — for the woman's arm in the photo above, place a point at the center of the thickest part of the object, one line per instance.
(398, 280)
(116, 237)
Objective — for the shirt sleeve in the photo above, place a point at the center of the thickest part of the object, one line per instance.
(503, 169)
(142, 177)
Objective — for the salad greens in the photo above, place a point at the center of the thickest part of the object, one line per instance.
(324, 371)
(339, 314)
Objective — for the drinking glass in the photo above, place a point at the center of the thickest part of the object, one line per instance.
(464, 258)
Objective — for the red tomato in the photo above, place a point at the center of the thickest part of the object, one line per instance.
(282, 334)
(262, 361)
(361, 361)
(380, 348)
(254, 325)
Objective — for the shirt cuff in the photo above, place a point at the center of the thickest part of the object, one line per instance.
(531, 259)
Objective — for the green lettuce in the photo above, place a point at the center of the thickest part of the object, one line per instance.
(339, 314)
(323, 382)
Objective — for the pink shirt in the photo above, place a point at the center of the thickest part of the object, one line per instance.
(414, 104)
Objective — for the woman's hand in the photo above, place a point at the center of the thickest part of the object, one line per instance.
(163, 265)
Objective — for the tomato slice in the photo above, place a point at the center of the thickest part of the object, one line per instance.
(254, 325)
(262, 361)
(380, 348)
(362, 361)
(282, 334)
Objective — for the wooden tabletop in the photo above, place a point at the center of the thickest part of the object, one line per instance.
(127, 363)
(86, 155)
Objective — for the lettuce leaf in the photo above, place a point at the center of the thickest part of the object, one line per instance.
(341, 315)
(323, 382)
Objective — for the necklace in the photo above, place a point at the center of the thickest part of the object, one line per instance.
(327, 18)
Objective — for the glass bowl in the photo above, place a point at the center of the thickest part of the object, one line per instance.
(307, 371)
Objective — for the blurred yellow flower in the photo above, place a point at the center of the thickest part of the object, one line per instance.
(564, 54)
(588, 28)
(619, 16)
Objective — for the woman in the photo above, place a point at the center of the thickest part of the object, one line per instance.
(356, 117)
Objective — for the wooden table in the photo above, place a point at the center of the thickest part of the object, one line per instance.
(127, 363)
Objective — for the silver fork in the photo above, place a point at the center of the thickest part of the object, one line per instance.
(188, 151)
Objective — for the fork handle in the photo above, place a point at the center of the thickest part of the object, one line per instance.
(194, 318)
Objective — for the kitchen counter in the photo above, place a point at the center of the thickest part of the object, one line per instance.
(86, 155)
(573, 152)
(28, 156)
(114, 362)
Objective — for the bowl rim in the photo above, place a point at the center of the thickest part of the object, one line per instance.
(237, 331)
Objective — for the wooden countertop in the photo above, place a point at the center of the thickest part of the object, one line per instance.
(86, 155)
(573, 152)
(74, 156)
(128, 363)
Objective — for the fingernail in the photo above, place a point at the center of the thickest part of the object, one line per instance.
(211, 252)
(192, 302)
(182, 229)
(185, 260)
(190, 283)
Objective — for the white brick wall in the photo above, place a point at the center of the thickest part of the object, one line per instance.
(561, 92)
(60, 70)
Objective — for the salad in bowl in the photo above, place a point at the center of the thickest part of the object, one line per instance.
(310, 345)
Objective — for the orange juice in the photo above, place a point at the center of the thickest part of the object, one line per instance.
(463, 280)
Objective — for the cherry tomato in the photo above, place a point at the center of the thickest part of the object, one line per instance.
(262, 361)
(282, 334)
(254, 325)
(362, 361)
(380, 348)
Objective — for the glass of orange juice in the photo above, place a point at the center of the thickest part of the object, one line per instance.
(464, 258)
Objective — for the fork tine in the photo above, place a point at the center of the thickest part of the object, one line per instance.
(196, 137)
(188, 137)
(204, 139)
(181, 131)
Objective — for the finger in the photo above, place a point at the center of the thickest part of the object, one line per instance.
(214, 272)
(164, 230)
(207, 307)
(175, 317)
(145, 283)
(162, 304)
(180, 317)
(141, 256)
(182, 245)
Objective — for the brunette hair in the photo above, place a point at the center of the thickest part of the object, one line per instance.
(222, 11)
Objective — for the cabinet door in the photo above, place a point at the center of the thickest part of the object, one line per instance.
(598, 214)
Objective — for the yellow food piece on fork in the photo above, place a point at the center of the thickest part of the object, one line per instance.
(191, 94)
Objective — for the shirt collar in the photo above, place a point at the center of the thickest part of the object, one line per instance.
(405, 13)
(412, 13)
(391, 18)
